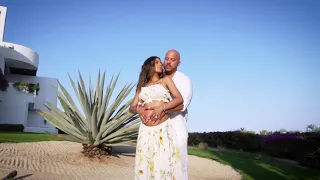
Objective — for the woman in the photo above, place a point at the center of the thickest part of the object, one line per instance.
(157, 156)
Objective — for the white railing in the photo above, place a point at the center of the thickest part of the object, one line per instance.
(19, 53)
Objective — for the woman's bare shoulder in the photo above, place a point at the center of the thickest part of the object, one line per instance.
(166, 79)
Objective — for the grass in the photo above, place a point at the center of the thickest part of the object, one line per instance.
(259, 167)
(250, 166)
(16, 137)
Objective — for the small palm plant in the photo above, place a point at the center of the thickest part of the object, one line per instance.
(101, 125)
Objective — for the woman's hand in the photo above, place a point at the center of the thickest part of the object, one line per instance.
(158, 113)
(141, 111)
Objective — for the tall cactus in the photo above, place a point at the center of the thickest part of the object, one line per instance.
(100, 123)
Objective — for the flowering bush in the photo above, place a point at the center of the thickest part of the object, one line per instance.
(27, 87)
(274, 137)
(288, 136)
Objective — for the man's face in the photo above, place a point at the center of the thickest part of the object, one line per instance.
(171, 61)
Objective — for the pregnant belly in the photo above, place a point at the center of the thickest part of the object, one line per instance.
(150, 112)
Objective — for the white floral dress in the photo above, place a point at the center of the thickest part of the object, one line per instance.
(157, 155)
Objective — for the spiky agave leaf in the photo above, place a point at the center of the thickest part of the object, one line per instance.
(100, 123)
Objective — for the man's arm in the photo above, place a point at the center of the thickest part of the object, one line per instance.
(184, 85)
(178, 108)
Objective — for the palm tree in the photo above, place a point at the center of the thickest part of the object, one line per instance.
(312, 128)
(101, 125)
(264, 132)
(282, 130)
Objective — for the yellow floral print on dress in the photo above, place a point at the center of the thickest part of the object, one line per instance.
(157, 153)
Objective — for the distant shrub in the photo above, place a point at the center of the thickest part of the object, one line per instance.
(203, 146)
(194, 139)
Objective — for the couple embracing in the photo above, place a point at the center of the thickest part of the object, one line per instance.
(162, 97)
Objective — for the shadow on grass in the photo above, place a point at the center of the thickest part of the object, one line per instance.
(258, 167)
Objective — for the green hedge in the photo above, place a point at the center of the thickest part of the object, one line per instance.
(12, 127)
(294, 149)
(301, 147)
(230, 140)
(311, 159)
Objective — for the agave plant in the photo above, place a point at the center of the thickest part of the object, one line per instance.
(100, 123)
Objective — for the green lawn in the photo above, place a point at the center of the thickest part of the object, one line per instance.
(251, 166)
(258, 167)
(28, 137)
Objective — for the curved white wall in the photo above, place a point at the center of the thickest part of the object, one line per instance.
(14, 105)
(11, 51)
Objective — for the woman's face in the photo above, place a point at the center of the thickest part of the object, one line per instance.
(158, 66)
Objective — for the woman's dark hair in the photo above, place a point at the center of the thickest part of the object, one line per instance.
(147, 71)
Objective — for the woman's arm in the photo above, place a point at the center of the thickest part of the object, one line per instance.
(135, 109)
(175, 102)
(134, 104)
(176, 95)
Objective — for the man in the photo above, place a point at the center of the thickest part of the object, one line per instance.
(179, 115)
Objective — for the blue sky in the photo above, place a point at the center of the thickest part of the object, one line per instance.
(254, 64)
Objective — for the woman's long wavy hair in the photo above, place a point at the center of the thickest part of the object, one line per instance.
(147, 71)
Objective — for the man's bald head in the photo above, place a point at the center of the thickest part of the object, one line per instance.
(173, 53)
(171, 61)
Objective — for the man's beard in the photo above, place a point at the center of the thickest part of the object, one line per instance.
(168, 72)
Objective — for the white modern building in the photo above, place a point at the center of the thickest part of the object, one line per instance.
(18, 104)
